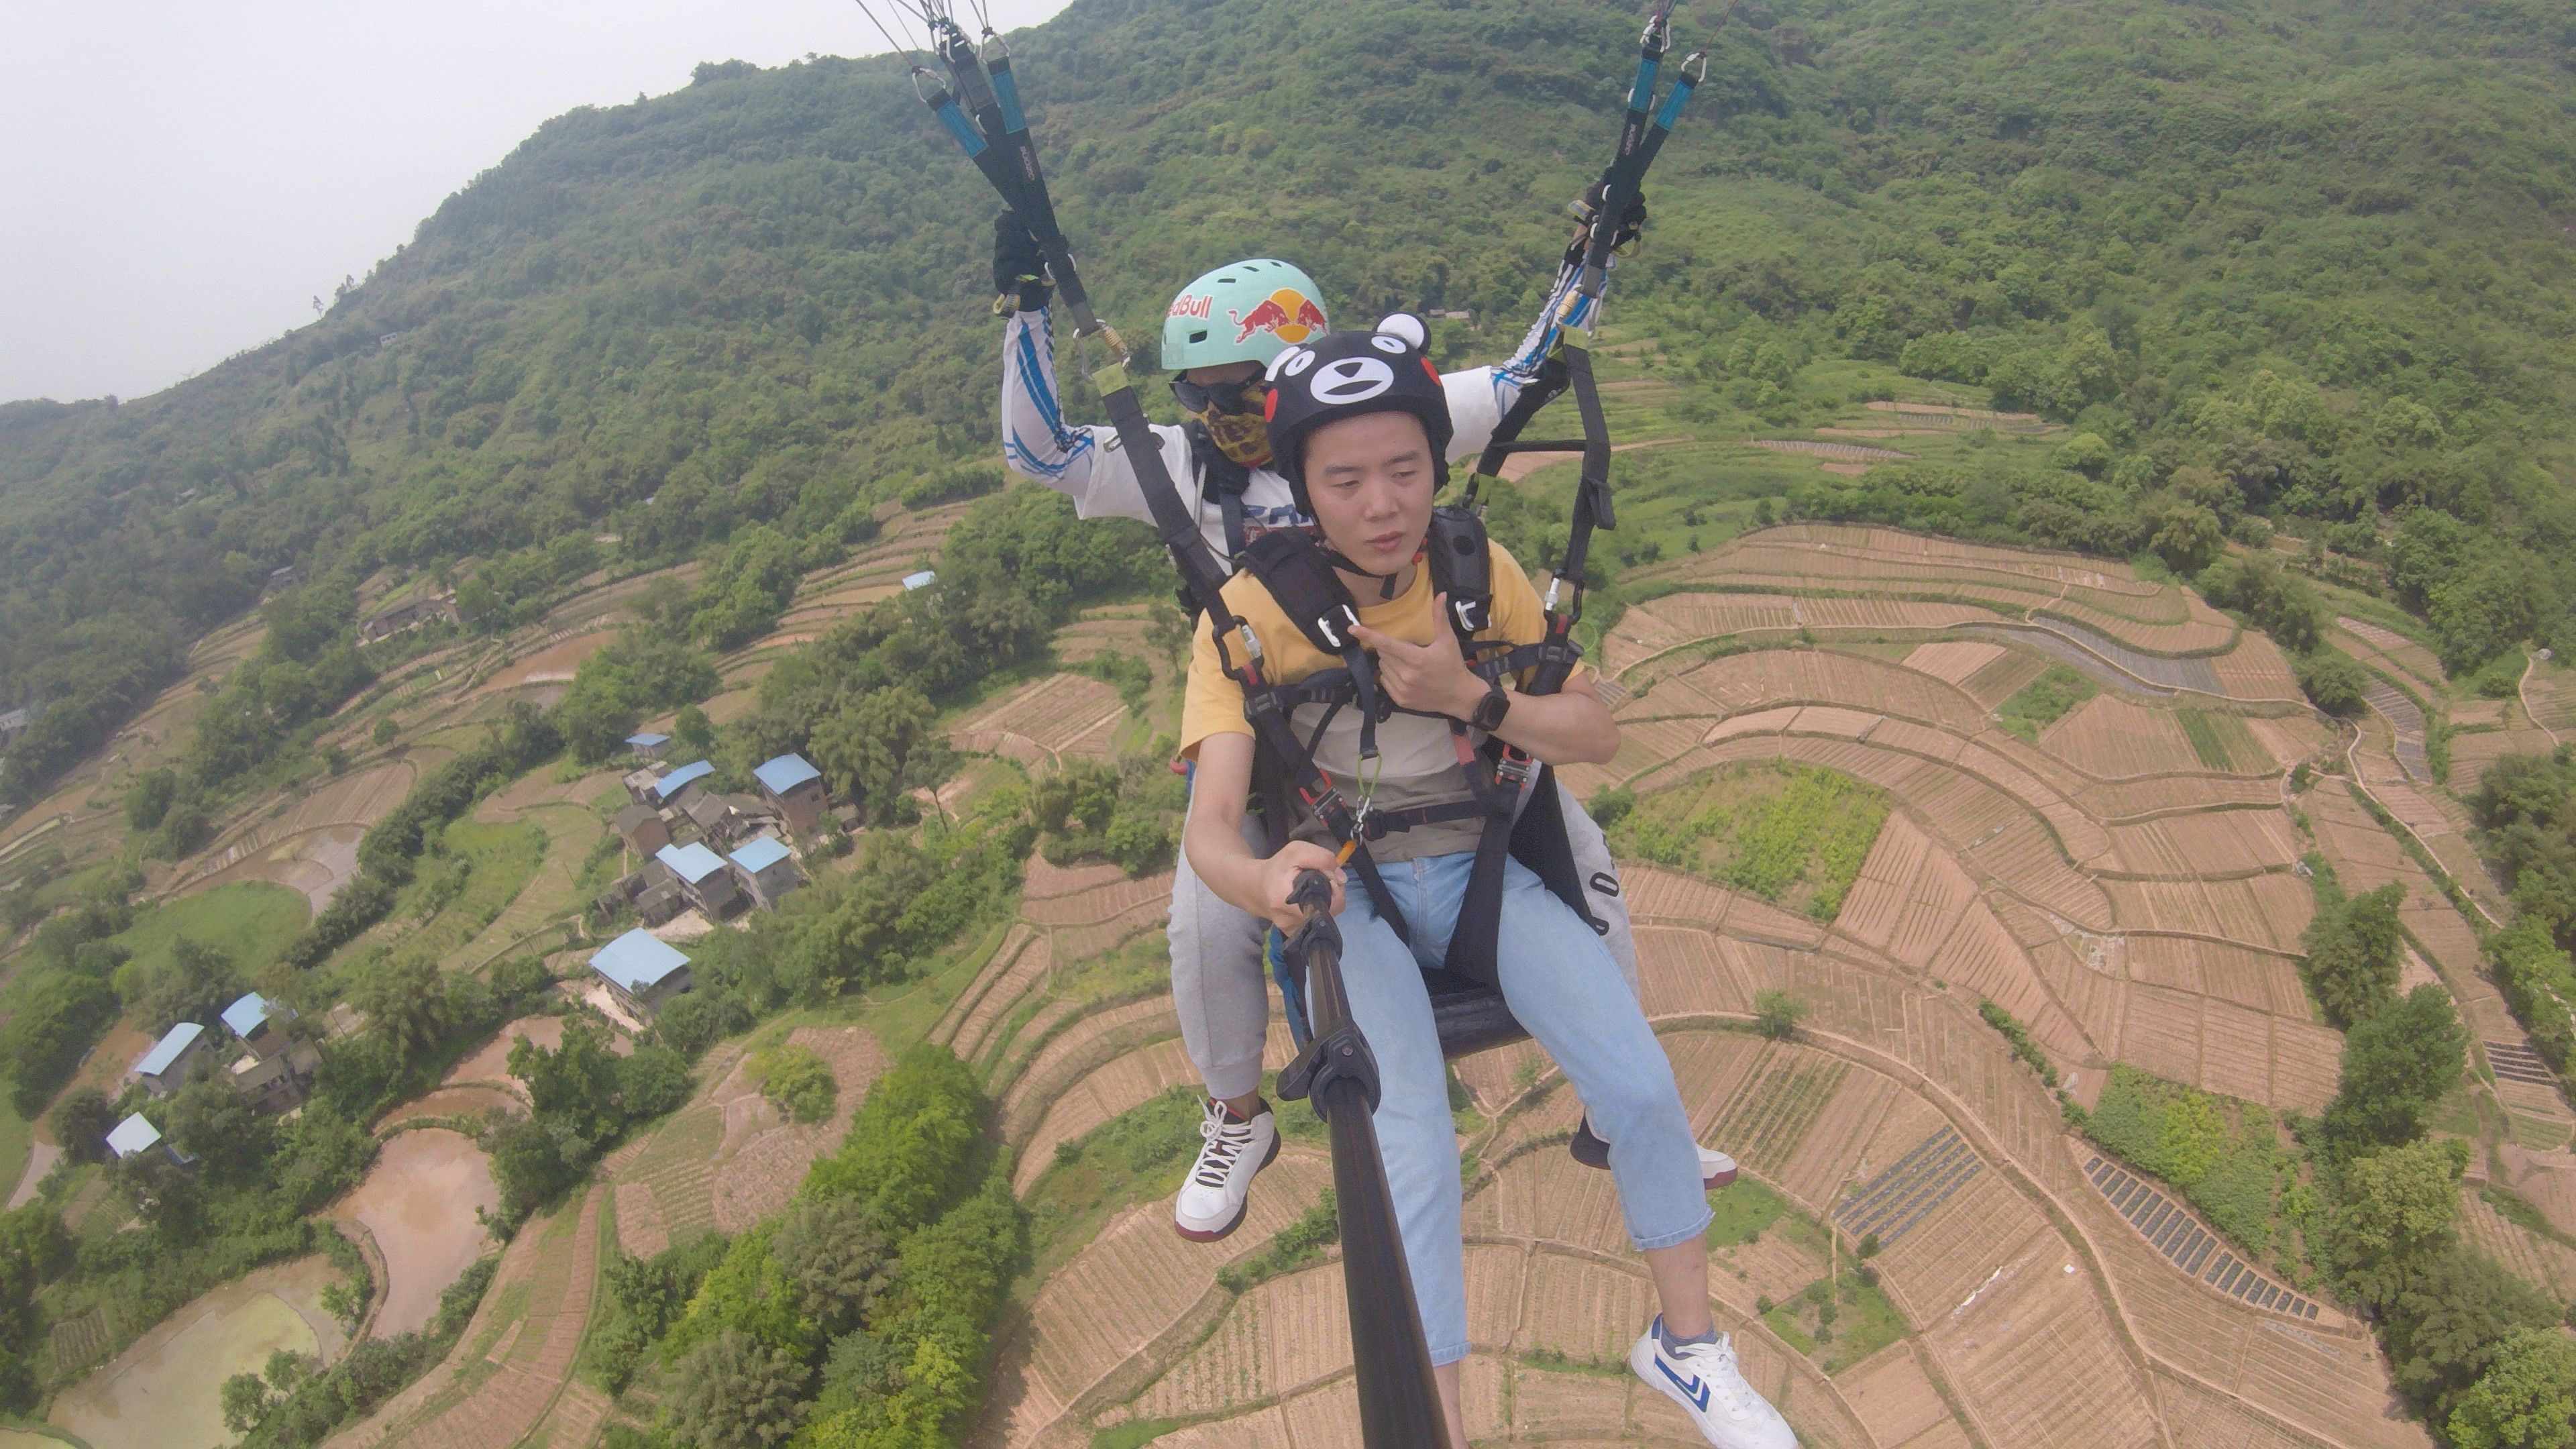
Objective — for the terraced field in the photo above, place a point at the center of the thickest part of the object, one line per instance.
(2128, 886)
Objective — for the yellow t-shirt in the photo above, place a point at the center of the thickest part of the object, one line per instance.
(1418, 762)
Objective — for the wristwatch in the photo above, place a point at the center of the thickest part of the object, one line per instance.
(1491, 709)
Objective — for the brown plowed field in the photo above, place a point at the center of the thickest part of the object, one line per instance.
(1124, 1084)
(1044, 719)
(1953, 661)
(2111, 738)
(1894, 1399)
(1287, 1334)
(2038, 1357)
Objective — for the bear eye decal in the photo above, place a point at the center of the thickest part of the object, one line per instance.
(1393, 346)
(1352, 380)
(1293, 363)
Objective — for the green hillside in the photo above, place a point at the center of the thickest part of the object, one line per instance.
(2295, 267)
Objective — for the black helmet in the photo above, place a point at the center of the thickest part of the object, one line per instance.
(1347, 375)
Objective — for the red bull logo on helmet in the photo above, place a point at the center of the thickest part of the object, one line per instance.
(1287, 314)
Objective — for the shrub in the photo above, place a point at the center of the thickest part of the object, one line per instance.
(797, 1081)
(1776, 1014)
(2333, 682)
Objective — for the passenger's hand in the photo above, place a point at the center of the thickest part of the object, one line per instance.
(1279, 879)
(1433, 677)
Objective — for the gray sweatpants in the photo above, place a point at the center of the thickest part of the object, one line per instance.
(1221, 989)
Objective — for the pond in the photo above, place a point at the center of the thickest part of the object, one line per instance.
(162, 1393)
(419, 1202)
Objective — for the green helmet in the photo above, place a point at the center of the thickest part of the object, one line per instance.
(1250, 311)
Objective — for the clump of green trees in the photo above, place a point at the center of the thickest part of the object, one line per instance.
(2525, 807)
(1128, 814)
(858, 1318)
(584, 1098)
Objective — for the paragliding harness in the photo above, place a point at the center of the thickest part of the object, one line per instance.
(1511, 794)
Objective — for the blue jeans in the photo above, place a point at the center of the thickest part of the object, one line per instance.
(1564, 986)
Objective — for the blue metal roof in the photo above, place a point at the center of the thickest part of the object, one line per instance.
(132, 1135)
(637, 960)
(921, 580)
(692, 862)
(785, 773)
(760, 854)
(647, 740)
(164, 1052)
(244, 1016)
(681, 779)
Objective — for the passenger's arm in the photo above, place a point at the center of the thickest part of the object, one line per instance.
(1214, 839)
(1570, 727)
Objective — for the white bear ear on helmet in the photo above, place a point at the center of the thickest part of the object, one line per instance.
(1406, 326)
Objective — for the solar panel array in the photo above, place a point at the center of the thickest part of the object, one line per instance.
(2171, 1230)
(1894, 1201)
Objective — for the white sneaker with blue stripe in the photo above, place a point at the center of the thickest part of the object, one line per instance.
(1703, 1379)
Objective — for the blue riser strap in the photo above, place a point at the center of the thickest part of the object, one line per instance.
(1673, 104)
(966, 135)
(1642, 94)
(1007, 91)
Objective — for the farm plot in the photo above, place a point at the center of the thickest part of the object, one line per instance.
(424, 1202)
(1953, 661)
(763, 1156)
(2183, 1240)
(1287, 1334)
(1787, 1090)
(1109, 1309)
(2544, 1262)
(1046, 720)
(1125, 1083)
(162, 1392)
(2374, 644)
(1895, 1400)
(2111, 738)
(2038, 1360)
(2005, 677)
(1545, 1196)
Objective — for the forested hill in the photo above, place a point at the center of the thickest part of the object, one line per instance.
(2303, 260)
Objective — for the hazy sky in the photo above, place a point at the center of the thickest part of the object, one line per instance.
(178, 181)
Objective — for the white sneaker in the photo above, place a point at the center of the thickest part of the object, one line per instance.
(1702, 1378)
(1716, 1169)
(1219, 1188)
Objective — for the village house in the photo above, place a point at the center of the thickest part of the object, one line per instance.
(165, 1069)
(643, 829)
(642, 971)
(404, 617)
(135, 1136)
(639, 785)
(711, 815)
(14, 724)
(703, 876)
(766, 863)
(794, 788)
(649, 746)
(278, 1070)
(669, 788)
